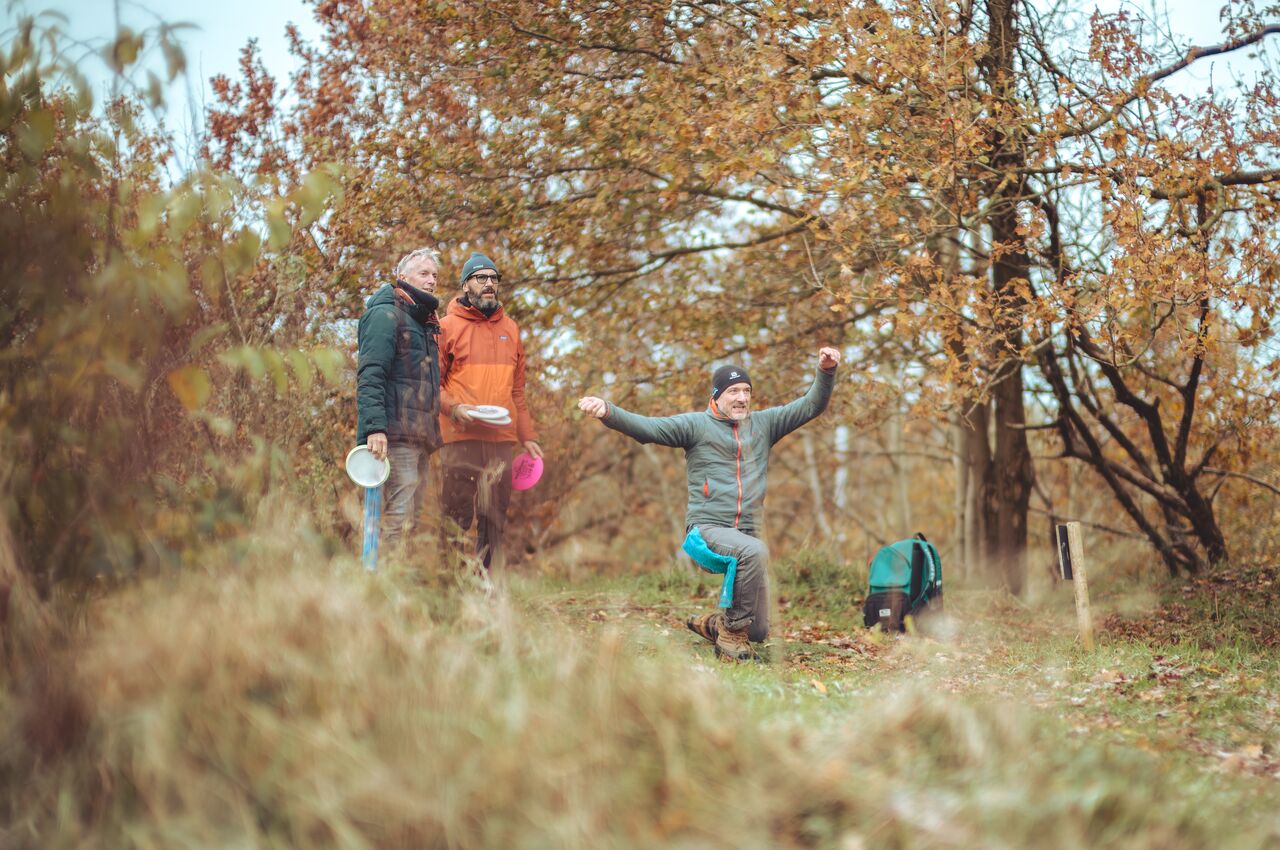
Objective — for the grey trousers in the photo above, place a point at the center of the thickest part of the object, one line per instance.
(751, 587)
(404, 493)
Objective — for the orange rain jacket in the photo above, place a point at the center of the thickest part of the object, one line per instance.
(482, 362)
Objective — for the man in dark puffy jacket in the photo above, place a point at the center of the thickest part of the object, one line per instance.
(727, 464)
(398, 385)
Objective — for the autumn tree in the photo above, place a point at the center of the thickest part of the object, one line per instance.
(676, 182)
(1152, 343)
(148, 331)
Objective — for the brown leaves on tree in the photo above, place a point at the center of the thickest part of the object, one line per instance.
(675, 184)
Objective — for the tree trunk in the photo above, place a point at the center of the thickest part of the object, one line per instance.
(974, 425)
(815, 488)
(840, 485)
(973, 527)
(1009, 493)
(960, 500)
(896, 424)
(972, 461)
(1013, 475)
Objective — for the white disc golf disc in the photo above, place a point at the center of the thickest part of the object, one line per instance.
(490, 412)
(365, 469)
(497, 423)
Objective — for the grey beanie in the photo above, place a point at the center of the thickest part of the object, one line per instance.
(475, 263)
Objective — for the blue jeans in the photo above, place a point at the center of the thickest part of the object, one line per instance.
(404, 493)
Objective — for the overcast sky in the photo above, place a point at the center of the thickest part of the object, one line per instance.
(225, 25)
(213, 47)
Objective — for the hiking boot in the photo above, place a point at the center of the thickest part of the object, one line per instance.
(705, 625)
(732, 643)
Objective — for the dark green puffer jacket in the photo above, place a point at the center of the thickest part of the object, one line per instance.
(727, 461)
(398, 373)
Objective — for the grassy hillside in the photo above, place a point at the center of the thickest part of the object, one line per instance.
(279, 699)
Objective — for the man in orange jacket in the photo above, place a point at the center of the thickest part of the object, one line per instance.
(481, 363)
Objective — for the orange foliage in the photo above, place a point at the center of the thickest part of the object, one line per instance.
(675, 183)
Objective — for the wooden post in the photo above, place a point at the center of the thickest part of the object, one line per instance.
(1071, 562)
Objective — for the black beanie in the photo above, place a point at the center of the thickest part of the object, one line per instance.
(727, 376)
(475, 263)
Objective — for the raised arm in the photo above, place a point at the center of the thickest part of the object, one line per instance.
(781, 421)
(675, 431)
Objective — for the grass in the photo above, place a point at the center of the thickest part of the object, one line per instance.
(283, 699)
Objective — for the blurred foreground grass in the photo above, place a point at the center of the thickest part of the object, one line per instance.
(280, 699)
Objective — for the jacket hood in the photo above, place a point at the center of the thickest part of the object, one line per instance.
(386, 295)
(421, 298)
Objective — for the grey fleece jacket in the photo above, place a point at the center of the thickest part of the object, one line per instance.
(727, 461)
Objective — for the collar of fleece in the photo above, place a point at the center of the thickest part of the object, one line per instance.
(716, 413)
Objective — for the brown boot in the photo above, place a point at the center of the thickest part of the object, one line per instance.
(705, 625)
(731, 643)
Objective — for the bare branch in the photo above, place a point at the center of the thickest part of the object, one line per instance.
(1189, 394)
(611, 48)
(661, 257)
(1143, 84)
(1099, 526)
(1227, 473)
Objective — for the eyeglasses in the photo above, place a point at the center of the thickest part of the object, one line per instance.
(486, 278)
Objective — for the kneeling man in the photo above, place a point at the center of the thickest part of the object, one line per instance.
(727, 459)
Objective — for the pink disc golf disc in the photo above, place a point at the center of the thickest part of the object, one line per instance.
(525, 471)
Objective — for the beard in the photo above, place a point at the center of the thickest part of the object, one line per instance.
(737, 411)
(481, 301)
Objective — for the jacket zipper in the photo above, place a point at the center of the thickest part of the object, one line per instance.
(737, 517)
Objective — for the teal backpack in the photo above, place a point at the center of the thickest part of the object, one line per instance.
(906, 581)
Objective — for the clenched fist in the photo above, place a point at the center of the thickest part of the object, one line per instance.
(593, 406)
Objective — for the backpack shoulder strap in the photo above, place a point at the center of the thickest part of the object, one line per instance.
(918, 557)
